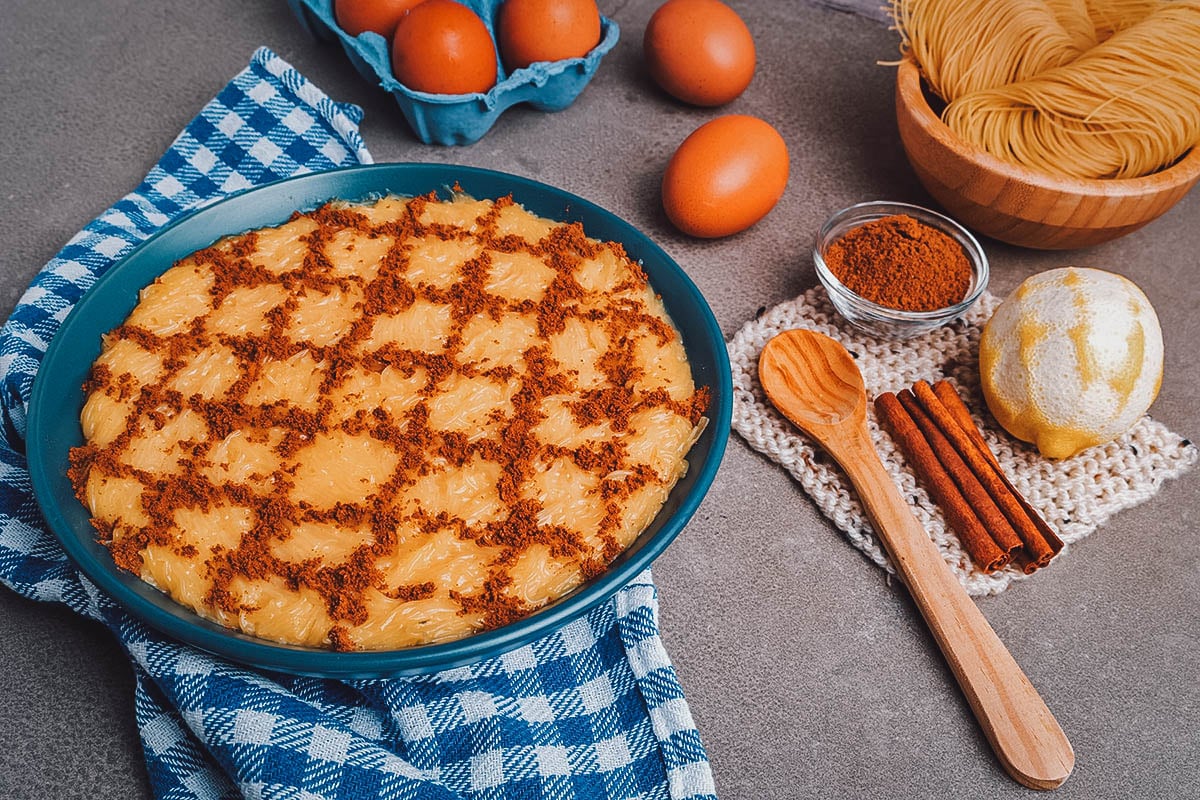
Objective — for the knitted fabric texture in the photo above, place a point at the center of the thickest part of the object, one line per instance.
(593, 710)
(1074, 495)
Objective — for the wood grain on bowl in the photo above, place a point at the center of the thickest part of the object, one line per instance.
(1016, 204)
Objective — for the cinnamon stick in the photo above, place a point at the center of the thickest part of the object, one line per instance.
(978, 543)
(957, 409)
(974, 492)
(1040, 541)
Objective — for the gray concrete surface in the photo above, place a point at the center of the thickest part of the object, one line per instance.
(809, 675)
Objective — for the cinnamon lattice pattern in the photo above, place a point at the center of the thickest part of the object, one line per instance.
(377, 426)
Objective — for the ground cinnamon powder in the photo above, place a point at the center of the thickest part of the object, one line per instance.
(901, 263)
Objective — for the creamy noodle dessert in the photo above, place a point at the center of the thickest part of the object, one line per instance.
(385, 425)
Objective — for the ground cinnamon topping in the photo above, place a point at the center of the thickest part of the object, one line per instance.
(497, 606)
(510, 443)
(100, 378)
(412, 591)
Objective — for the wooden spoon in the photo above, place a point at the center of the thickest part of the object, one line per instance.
(815, 383)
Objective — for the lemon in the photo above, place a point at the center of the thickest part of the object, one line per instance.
(1071, 359)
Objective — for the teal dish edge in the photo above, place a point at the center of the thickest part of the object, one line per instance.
(57, 398)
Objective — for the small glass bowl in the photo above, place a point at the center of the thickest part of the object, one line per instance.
(882, 320)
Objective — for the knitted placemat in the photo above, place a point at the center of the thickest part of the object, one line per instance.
(1075, 495)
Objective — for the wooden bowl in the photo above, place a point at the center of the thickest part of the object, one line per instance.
(1019, 205)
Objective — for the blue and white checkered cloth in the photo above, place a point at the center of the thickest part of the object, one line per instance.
(592, 711)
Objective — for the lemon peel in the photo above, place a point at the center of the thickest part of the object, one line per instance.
(1071, 359)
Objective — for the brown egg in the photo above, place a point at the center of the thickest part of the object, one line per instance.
(546, 30)
(380, 16)
(443, 47)
(699, 51)
(725, 176)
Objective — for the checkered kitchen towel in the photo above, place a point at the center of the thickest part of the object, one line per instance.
(592, 711)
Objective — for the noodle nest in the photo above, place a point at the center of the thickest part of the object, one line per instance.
(1075, 88)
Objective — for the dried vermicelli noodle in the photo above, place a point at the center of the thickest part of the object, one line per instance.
(1075, 19)
(1124, 107)
(966, 45)
(1127, 107)
(1110, 16)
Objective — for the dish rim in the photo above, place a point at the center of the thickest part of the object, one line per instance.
(47, 449)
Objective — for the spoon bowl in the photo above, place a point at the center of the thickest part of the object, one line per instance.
(814, 382)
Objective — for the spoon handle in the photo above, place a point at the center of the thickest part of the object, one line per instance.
(1024, 734)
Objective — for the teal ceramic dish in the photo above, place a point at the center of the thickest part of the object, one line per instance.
(460, 119)
(58, 398)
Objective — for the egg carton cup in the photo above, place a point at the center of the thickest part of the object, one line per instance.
(458, 119)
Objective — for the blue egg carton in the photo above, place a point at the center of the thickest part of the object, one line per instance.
(452, 119)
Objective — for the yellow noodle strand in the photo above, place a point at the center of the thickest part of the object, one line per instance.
(1127, 107)
(1075, 19)
(1110, 16)
(1085, 88)
(967, 45)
